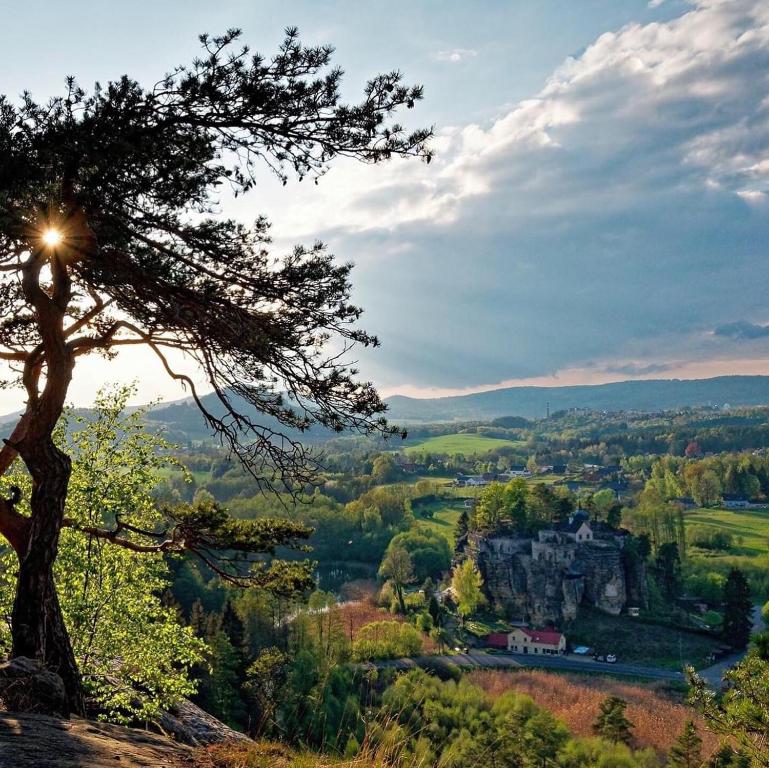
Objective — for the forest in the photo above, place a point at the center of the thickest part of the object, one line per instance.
(286, 664)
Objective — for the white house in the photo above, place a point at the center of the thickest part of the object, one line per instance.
(578, 527)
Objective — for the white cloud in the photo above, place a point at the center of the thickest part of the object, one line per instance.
(604, 218)
(754, 196)
(455, 55)
(647, 108)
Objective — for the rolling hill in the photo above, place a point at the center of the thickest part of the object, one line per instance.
(182, 421)
(531, 402)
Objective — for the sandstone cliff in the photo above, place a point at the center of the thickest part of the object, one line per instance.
(543, 580)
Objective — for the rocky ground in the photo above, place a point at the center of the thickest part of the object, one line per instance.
(40, 738)
(40, 741)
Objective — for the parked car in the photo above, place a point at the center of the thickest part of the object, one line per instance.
(611, 658)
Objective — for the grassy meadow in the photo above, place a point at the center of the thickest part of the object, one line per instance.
(749, 528)
(443, 519)
(749, 551)
(462, 443)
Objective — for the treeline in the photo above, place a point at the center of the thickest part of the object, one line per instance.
(522, 508)
(707, 480)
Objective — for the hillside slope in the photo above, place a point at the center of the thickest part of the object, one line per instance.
(532, 402)
(182, 421)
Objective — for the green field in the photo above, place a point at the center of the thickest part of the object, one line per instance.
(748, 528)
(749, 551)
(444, 518)
(462, 443)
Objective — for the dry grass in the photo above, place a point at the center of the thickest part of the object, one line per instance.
(268, 755)
(261, 755)
(574, 699)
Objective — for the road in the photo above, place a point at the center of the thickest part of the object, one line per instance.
(713, 675)
(480, 659)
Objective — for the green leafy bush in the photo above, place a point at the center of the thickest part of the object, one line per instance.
(386, 640)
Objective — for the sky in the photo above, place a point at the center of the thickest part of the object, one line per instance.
(597, 210)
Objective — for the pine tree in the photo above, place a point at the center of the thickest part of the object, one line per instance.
(110, 236)
(198, 619)
(232, 625)
(727, 757)
(687, 750)
(738, 610)
(462, 523)
(668, 567)
(611, 723)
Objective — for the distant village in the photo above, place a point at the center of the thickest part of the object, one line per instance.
(593, 476)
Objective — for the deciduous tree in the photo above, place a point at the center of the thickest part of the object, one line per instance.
(466, 585)
(110, 595)
(398, 567)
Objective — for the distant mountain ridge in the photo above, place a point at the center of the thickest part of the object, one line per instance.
(181, 420)
(532, 402)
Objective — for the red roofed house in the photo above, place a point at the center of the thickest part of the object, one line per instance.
(541, 641)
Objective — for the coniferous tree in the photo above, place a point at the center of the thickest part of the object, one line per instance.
(198, 619)
(741, 714)
(738, 610)
(686, 752)
(611, 723)
(727, 757)
(108, 239)
(614, 515)
(232, 625)
(462, 524)
(668, 570)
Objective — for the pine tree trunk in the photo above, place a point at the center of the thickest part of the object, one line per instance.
(38, 628)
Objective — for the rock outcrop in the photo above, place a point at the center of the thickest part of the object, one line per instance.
(27, 686)
(40, 741)
(191, 725)
(544, 579)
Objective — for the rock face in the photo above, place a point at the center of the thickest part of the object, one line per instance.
(39, 741)
(190, 724)
(27, 686)
(544, 580)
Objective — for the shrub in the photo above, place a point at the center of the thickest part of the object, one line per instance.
(386, 640)
(707, 537)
